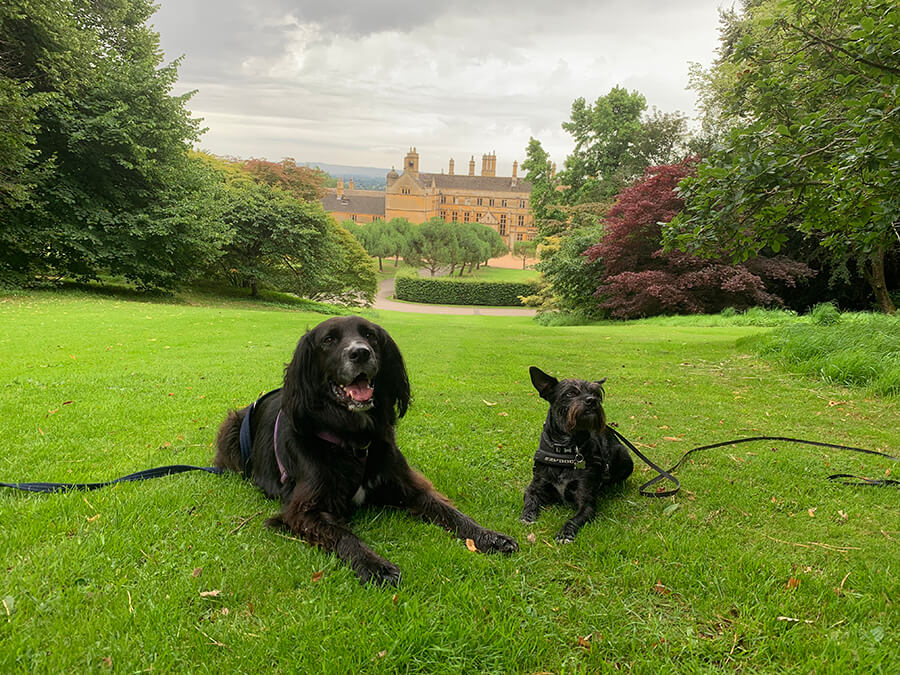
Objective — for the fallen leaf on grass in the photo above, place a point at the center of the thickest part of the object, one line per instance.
(661, 589)
(671, 508)
(470, 544)
(210, 594)
(531, 538)
(318, 576)
(672, 438)
(487, 403)
(584, 642)
(812, 512)
(93, 518)
(197, 572)
(792, 583)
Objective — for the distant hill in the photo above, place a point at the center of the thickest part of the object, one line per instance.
(364, 177)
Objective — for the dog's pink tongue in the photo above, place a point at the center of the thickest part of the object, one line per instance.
(360, 389)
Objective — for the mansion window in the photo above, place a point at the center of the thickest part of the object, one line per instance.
(443, 199)
(404, 191)
(490, 202)
(455, 217)
(502, 229)
(466, 216)
(521, 221)
(478, 201)
(503, 203)
(353, 217)
(522, 204)
(519, 236)
(443, 215)
(503, 219)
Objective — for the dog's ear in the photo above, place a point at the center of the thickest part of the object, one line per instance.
(543, 382)
(392, 382)
(300, 376)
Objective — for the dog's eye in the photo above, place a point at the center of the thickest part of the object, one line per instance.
(328, 340)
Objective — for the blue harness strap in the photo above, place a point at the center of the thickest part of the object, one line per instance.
(246, 434)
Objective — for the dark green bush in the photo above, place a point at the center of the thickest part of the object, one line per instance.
(451, 291)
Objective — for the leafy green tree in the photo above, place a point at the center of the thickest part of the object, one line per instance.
(546, 198)
(272, 234)
(811, 94)
(102, 153)
(432, 246)
(525, 250)
(401, 233)
(571, 277)
(614, 142)
(473, 248)
(346, 276)
(496, 245)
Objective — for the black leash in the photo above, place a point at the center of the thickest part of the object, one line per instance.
(667, 475)
(140, 475)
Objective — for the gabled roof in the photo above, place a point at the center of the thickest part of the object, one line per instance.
(481, 183)
(369, 202)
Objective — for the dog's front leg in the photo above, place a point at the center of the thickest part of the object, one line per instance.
(424, 502)
(584, 515)
(330, 533)
(532, 506)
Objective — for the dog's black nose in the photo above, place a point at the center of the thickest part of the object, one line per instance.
(359, 354)
(590, 402)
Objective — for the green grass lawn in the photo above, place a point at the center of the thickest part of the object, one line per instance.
(759, 564)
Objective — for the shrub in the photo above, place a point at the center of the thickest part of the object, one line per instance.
(825, 314)
(447, 291)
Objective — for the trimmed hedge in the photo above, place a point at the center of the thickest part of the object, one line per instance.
(452, 291)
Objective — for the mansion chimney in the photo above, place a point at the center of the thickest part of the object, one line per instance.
(451, 166)
(515, 169)
(340, 188)
(489, 165)
(411, 163)
(472, 166)
(350, 187)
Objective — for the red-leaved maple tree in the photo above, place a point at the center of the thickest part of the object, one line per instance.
(640, 279)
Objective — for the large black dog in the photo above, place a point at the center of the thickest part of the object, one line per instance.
(324, 444)
(577, 454)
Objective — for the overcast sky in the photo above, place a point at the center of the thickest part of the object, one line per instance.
(359, 81)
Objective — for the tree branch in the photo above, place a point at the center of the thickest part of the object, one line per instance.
(835, 46)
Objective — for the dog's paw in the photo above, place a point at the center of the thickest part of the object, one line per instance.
(565, 536)
(495, 542)
(529, 517)
(378, 572)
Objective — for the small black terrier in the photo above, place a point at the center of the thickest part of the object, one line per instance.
(577, 455)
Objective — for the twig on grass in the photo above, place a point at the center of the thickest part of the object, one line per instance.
(215, 642)
(827, 547)
(245, 521)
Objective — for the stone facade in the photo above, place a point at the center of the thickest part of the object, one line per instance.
(499, 202)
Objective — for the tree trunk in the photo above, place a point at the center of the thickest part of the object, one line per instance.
(873, 270)
(380, 265)
(254, 288)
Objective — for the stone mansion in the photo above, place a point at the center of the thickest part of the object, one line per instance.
(501, 202)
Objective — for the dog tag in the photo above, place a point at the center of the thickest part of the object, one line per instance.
(579, 461)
